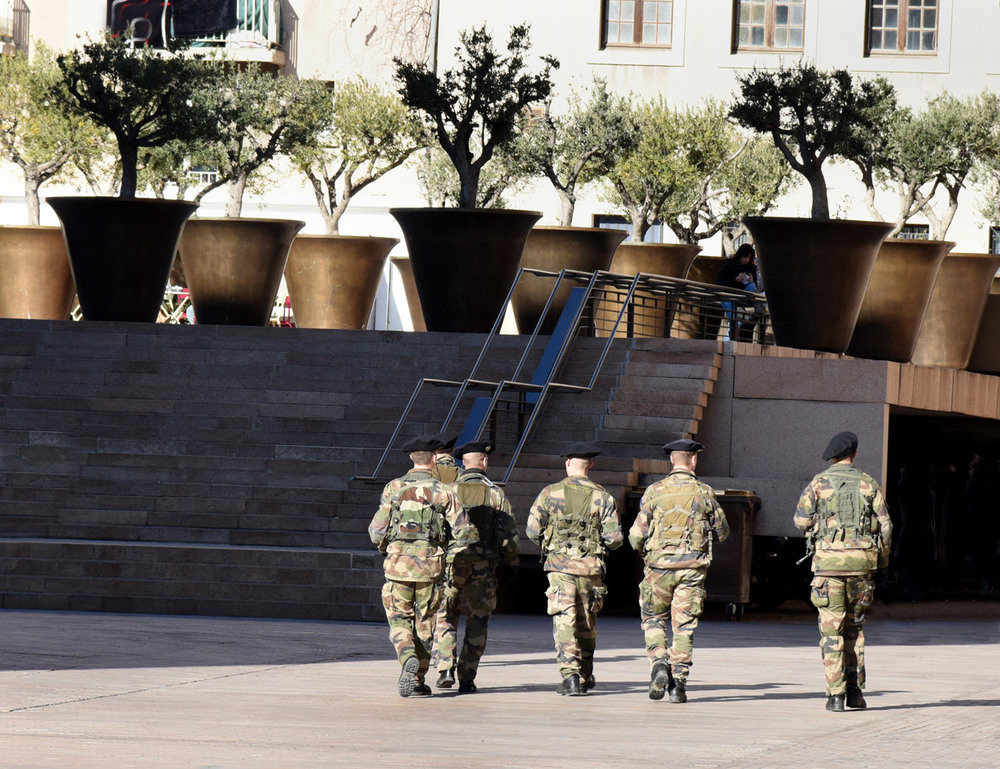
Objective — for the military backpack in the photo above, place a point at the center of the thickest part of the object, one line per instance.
(412, 519)
(475, 498)
(680, 522)
(572, 527)
(846, 514)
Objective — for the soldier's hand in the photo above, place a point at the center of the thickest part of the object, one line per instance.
(507, 573)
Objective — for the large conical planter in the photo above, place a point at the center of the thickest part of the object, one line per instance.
(234, 266)
(650, 315)
(464, 262)
(402, 264)
(815, 274)
(896, 300)
(120, 251)
(35, 277)
(955, 310)
(695, 321)
(986, 352)
(586, 249)
(333, 279)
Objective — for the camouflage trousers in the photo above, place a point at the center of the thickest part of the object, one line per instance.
(573, 603)
(471, 592)
(842, 603)
(410, 608)
(675, 597)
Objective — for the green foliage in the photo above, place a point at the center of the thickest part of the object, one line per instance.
(367, 133)
(732, 176)
(506, 175)
(812, 115)
(473, 110)
(36, 134)
(657, 168)
(260, 116)
(582, 145)
(144, 98)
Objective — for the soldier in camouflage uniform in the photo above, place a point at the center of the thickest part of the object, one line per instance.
(673, 533)
(471, 575)
(418, 521)
(575, 522)
(843, 513)
(446, 469)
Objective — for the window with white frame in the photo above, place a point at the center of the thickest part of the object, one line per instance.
(902, 26)
(638, 22)
(769, 25)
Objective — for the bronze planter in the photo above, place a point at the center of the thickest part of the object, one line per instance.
(464, 262)
(587, 249)
(956, 307)
(694, 321)
(234, 266)
(333, 279)
(35, 277)
(402, 264)
(986, 352)
(815, 273)
(896, 300)
(651, 314)
(120, 251)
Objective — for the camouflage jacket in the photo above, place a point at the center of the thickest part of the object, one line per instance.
(677, 518)
(445, 527)
(489, 513)
(597, 530)
(446, 469)
(845, 543)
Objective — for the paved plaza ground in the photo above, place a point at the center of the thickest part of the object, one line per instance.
(82, 690)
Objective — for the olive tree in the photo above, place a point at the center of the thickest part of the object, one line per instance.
(473, 109)
(367, 132)
(144, 97)
(36, 134)
(582, 145)
(811, 115)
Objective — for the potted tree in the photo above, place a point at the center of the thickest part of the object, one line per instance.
(571, 150)
(812, 115)
(464, 260)
(639, 184)
(333, 278)
(121, 248)
(919, 155)
(42, 140)
(233, 265)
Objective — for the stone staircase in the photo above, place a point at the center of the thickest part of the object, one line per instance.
(208, 470)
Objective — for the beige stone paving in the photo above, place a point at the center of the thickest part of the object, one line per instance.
(91, 690)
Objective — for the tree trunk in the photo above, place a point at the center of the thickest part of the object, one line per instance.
(234, 205)
(639, 227)
(130, 173)
(31, 185)
(820, 201)
(566, 207)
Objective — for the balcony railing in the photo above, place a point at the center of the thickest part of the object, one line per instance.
(259, 26)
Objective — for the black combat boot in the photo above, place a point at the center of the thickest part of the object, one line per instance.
(588, 683)
(408, 677)
(447, 679)
(570, 686)
(421, 690)
(855, 698)
(835, 703)
(660, 681)
(467, 686)
(677, 691)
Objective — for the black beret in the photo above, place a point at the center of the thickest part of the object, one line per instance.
(422, 443)
(581, 451)
(446, 440)
(684, 444)
(474, 447)
(841, 445)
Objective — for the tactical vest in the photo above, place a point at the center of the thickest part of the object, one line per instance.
(445, 472)
(573, 527)
(475, 496)
(411, 520)
(681, 527)
(845, 515)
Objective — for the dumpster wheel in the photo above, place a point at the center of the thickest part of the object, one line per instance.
(734, 611)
